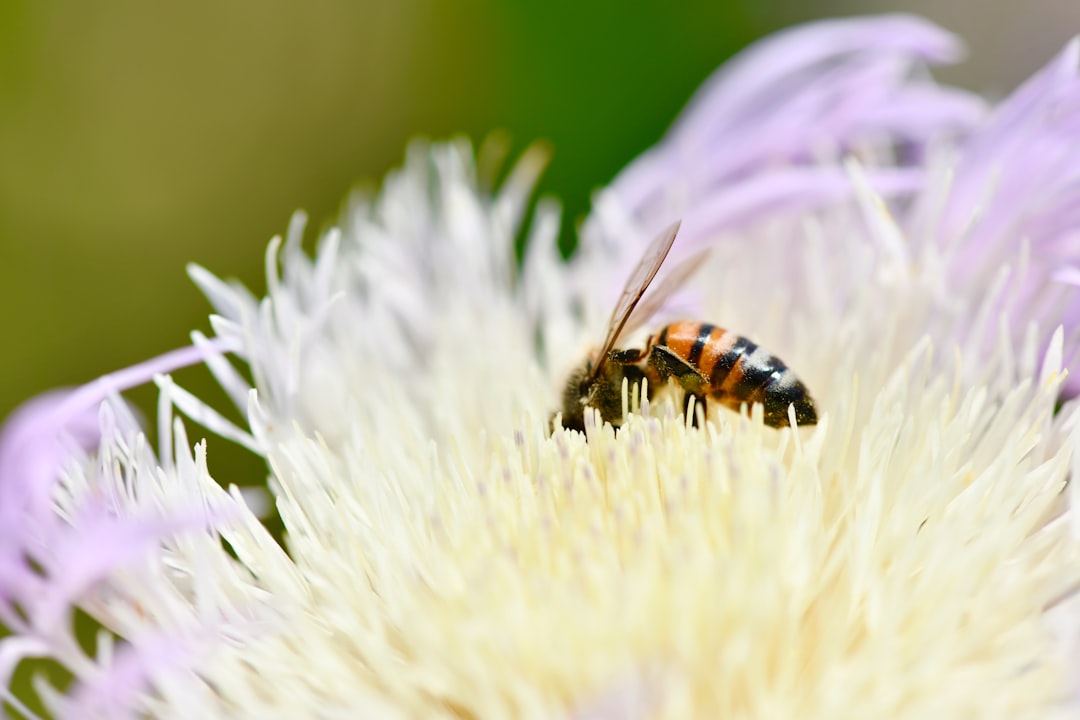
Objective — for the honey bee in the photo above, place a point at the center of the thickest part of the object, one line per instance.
(705, 360)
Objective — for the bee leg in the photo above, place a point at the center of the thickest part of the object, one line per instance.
(631, 356)
(630, 362)
(666, 364)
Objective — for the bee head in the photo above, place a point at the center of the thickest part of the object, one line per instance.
(577, 394)
(602, 392)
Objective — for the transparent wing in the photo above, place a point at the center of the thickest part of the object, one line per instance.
(674, 279)
(635, 287)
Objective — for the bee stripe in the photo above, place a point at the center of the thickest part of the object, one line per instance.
(785, 389)
(722, 370)
(662, 340)
(680, 337)
(720, 342)
(757, 372)
(734, 377)
(699, 345)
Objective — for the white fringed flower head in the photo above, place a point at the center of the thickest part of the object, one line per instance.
(448, 554)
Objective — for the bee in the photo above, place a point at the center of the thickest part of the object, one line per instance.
(707, 361)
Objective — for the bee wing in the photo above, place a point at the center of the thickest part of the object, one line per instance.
(672, 281)
(635, 287)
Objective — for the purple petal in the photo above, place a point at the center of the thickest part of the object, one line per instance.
(1018, 181)
(114, 692)
(790, 191)
(1031, 136)
(758, 76)
(32, 450)
(100, 542)
(33, 440)
(835, 86)
(47, 562)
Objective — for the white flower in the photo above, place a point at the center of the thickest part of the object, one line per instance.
(448, 555)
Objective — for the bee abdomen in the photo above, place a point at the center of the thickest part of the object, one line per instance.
(735, 370)
(786, 390)
(744, 372)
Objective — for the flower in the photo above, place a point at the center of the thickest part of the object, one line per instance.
(448, 554)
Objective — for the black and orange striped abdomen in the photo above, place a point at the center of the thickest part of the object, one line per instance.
(734, 370)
